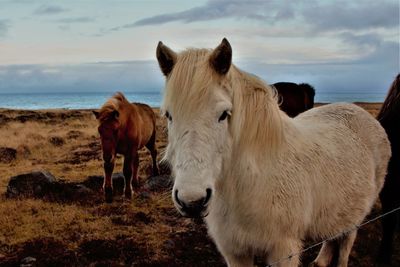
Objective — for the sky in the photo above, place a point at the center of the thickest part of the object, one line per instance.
(107, 46)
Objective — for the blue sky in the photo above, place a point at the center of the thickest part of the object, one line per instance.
(72, 46)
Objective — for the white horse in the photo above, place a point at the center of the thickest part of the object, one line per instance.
(264, 181)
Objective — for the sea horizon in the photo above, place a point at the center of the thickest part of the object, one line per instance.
(93, 100)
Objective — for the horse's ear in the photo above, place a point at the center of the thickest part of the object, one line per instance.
(166, 58)
(221, 57)
(96, 113)
(115, 114)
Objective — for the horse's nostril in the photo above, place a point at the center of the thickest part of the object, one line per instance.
(193, 208)
(208, 196)
(180, 203)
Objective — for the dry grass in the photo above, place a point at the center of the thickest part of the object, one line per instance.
(29, 219)
(67, 146)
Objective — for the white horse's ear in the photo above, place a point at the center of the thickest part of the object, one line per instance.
(166, 58)
(221, 57)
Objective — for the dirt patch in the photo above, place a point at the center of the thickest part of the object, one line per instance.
(23, 151)
(123, 251)
(7, 154)
(56, 141)
(193, 248)
(74, 134)
(43, 252)
(84, 153)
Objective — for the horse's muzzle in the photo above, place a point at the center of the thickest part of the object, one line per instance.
(194, 209)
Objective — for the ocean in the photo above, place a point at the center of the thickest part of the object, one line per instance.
(94, 100)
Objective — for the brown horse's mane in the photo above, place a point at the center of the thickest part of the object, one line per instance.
(391, 105)
(115, 103)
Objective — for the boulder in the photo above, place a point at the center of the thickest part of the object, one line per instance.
(33, 184)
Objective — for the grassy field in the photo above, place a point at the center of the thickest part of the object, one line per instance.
(146, 231)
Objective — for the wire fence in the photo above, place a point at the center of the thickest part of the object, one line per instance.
(355, 227)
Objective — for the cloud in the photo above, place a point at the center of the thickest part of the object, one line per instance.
(49, 10)
(218, 9)
(352, 15)
(75, 20)
(361, 40)
(133, 76)
(324, 16)
(4, 26)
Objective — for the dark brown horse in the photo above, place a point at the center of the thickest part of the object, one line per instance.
(124, 129)
(295, 98)
(389, 117)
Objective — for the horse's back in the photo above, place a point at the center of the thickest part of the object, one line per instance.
(144, 120)
(353, 118)
(145, 111)
(356, 124)
(348, 140)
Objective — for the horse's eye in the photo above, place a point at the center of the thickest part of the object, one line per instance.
(168, 116)
(223, 116)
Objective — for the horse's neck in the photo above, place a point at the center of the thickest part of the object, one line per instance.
(130, 113)
(240, 164)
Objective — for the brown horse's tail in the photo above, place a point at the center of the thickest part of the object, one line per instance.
(310, 91)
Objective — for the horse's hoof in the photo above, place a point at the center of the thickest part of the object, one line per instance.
(108, 193)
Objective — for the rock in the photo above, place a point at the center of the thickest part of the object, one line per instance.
(33, 184)
(56, 141)
(28, 262)
(7, 154)
(158, 183)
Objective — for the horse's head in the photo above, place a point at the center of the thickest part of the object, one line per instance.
(198, 106)
(108, 129)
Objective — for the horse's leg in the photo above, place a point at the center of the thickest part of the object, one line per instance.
(107, 185)
(151, 145)
(135, 166)
(390, 200)
(345, 244)
(282, 250)
(128, 175)
(239, 261)
(325, 255)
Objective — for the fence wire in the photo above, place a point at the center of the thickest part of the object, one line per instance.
(355, 227)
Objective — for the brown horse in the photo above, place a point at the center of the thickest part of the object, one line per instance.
(295, 98)
(124, 129)
(389, 117)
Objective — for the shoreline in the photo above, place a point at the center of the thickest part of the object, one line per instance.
(317, 104)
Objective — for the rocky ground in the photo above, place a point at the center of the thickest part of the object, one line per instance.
(53, 213)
